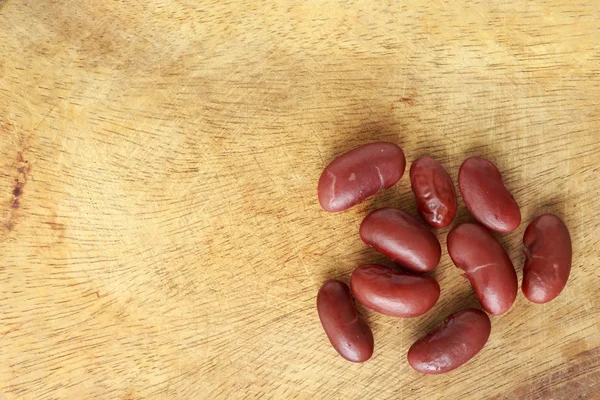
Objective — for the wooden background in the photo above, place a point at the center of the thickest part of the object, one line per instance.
(161, 236)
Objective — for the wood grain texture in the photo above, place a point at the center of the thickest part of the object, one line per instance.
(161, 236)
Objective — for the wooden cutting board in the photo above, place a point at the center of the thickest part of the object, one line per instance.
(161, 236)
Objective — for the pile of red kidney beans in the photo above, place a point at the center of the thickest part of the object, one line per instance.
(364, 171)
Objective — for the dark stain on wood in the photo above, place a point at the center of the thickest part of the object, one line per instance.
(23, 169)
(407, 100)
(56, 226)
(578, 378)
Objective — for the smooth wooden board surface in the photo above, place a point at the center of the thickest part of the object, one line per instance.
(161, 236)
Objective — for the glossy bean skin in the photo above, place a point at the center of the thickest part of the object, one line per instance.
(460, 337)
(392, 292)
(487, 266)
(347, 332)
(402, 238)
(360, 173)
(486, 197)
(548, 256)
(434, 191)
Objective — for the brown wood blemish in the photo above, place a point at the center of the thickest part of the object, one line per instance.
(96, 293)
(130, 395)
(56, 226)
(23, 172)
(60, 230)
(407, 100)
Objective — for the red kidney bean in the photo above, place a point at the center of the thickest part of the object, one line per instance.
(456, 341)
(402, 238)
(347, 332)
(394, 293)
(548, 256)
(360, 173)
(476, 251)
(434, 190)
(486, 197)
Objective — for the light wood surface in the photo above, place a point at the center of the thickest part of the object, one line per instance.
(161, 236)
